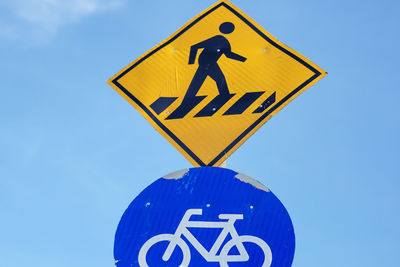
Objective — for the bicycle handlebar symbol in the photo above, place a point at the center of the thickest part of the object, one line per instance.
(210, 256)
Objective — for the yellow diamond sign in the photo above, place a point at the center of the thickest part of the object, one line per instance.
(213, 83)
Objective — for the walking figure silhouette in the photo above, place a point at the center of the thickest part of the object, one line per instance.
(213, 49)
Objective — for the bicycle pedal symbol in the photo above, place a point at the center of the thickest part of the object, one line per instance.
(209, 255)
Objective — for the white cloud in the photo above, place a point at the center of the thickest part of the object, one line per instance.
(43, 18)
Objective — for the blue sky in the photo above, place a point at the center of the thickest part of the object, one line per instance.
(74, 153)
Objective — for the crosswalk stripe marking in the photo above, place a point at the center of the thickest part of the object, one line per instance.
(211, 108)
(185, 108)
(243, 103)
(266, 104)
(162, 104)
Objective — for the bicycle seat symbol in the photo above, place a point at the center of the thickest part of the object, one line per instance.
(223, 258)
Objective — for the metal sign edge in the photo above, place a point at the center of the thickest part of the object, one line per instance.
(228, 151)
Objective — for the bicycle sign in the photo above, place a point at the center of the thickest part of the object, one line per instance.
(223, 258)
(205, 217)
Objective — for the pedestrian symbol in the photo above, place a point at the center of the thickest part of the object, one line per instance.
(213, 49)
(213, 83)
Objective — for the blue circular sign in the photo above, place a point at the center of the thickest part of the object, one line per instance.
(205, 217)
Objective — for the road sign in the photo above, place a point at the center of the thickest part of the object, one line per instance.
(213, 83)
(205, 217)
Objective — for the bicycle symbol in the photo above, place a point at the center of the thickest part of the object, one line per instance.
(210, 256)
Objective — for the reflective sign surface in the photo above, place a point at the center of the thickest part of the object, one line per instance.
(213, 83)
(205, 217)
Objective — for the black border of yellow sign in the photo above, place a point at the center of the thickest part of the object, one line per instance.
(317, 74)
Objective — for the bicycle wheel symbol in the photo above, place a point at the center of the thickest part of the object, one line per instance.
(160, 238)
(225, 258)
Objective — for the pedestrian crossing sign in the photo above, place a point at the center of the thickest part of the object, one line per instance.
(213, 83)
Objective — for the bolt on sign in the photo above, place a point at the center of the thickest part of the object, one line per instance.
(213, 83)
